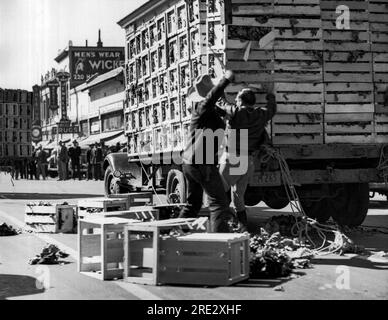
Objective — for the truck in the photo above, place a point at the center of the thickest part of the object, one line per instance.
(15, 128)
(327, 62)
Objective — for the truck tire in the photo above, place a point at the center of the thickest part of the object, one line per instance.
(176, 186)
(252, 196)
(318, 210)
(110, 186)
(355, 205)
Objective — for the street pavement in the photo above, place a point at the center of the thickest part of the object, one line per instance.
(331, 277)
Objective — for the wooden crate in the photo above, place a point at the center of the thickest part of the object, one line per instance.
(101, 205)
(51, 219)
(382, 128)
(195, 259)
(101, 247)
(135, 199)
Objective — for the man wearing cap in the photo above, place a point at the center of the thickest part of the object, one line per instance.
(74, 155)
(238, 154)
(200, 157)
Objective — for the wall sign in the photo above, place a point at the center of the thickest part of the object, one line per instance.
(36, 105)
(53, 87)
(63, 77)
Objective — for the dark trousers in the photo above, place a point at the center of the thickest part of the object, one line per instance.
(206, 178)
(97, 171)
(76, 168)
(89, 173)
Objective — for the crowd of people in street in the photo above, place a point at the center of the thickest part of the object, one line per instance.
(69, 162)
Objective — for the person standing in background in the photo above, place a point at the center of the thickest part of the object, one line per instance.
(89, 172)
(41, 160)
(75, 155)
(63, 159)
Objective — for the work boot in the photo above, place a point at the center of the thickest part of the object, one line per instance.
(242, 221)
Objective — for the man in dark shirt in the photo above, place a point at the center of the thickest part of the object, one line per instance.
(75, 155)
(89, 172)
(245, 136)
(200, 158)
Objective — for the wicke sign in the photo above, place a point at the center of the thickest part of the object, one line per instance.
(86, 62)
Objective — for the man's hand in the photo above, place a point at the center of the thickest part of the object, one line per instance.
(230, 75)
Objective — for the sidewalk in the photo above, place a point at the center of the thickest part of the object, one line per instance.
(94, 188)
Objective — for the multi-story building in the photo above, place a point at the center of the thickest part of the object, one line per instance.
(63, 106)
(16, 117)
(103, 120)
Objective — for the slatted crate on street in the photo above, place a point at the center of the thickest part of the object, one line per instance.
(98, 205)
(101, 247)
(139, 199)
(51, 219)
(195, 259)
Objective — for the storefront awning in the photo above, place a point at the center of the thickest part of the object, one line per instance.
(97, 138)
(122, 139)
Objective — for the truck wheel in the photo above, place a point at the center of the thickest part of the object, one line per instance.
(318, 210)
(111, 186)
(276, 203)
(356, 205)
(176, 186)
(252, 196)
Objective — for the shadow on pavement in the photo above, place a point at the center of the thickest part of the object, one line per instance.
(46, 196)
(266, 282)
(16, 286)
(374, 204)
(352, 262)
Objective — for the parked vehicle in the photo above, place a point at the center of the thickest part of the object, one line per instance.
(331, 86)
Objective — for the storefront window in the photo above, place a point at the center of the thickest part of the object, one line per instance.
(113, 122)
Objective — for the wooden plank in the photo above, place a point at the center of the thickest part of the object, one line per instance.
(297, 45)
(381, 67)
(380, 57)
(298, 66)
(276, 22)
(251, 1)
(382, 128)
(253, 77)
(348, 129)
(352, 5)
(348, 117)
(349, 139)
(312, 34)
(297, 77)
(346, 108)
(250, 65)
(354, 25)
(300, 108)
(380, 77)
(378, 17)
(299, 87)
(378, 7)
(310, 10)
(297, 128)
(379, 47)
(381, 138)
(297, 118)
(39, 219)
(198, 261)
(297, 2)
(346, 46)
(379, 37)
(350, 67)
(348, 56)
(287, 140)
(348, 77)
(299, 97)
(345, 35)
(331, 15)
(349, 87)
(254, 55)
(349, 98)
(379, 27)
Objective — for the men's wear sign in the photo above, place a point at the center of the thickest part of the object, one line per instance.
(86, 62)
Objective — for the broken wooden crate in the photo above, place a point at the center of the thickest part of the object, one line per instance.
(98, 205)
(101, 247)
(135, 199)
(209, 259)
(51, 219)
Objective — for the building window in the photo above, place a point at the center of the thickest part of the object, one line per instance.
(112, 122)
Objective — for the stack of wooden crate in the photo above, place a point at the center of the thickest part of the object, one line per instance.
(330, 81)
(15, 124)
